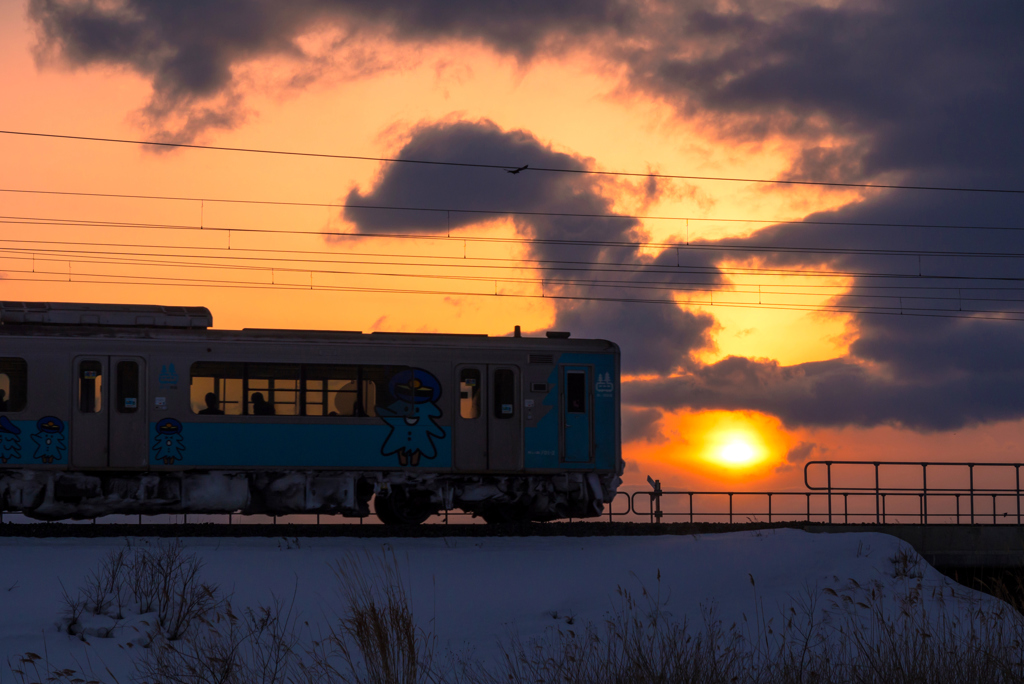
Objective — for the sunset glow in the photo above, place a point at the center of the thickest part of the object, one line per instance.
(737, 452)
(755, 318)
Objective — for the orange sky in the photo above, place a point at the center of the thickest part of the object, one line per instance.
(571, 102)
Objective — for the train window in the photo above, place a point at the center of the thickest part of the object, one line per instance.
(90, 386)
(273, 389)
(217, 388)
(127, 386)
(340, 391)
(504, 393)
(576, 392)
(282, 389)
(13, 384)
(469, 393)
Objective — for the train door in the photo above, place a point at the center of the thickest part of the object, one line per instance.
(488, 427)
(504, 420)
(471, 419)
(129, 432)
(89, 431)
(577, 411)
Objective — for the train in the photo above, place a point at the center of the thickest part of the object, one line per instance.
(145, 410)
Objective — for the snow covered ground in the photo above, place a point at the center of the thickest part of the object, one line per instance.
(472, 591)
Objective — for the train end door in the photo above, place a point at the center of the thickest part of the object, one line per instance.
(577, 409)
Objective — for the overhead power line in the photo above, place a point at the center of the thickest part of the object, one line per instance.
(238, 261)
(900, 310)
(512, 165)
(501, 263)
(892, 292)
(510, 212)
(625, 244)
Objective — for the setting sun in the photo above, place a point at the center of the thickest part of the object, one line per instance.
(735, 448)
(737, 452)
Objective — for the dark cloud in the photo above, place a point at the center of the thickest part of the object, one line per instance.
(839, 393)
(929, 91)
(190, 49)
(803, 451)
(866, 68)
(800, 454)
(656, 338)
(639, 423)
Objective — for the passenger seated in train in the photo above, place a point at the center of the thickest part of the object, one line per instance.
(341, 404)
(211, 406)
(260, 406)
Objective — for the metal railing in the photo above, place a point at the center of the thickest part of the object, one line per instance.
(831, 497)
(1006, 473)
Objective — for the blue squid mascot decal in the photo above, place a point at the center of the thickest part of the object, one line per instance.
(412, 416)
(169, 445)
(10, 440)
(49, 439)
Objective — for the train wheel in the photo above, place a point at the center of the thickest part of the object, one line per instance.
(401, 507)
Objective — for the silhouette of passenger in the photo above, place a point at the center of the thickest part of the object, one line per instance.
(211, 406)
(3, 400)
(260, 406)
(340, 403)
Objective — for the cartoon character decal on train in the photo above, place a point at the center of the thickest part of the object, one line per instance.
(49, 438)
(169, 445)
(412, 416)
(10, 440)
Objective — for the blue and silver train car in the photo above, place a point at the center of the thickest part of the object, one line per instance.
(144, 409)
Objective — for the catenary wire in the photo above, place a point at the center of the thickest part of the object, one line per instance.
(177, 260)
(506, 212)
(530, 281)
(187, 282)
(539, 264)
(703, 247)
(507, 166)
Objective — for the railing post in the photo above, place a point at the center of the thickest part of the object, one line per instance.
(970, 469)
(808, 507)
(655, 500)
(1017, 468)
(691, 506)
(769, 508)
(924, 495)
(877, 488)
(883, 509)
(846, 508)
(828, 480)
(957, 508)
(730, 508)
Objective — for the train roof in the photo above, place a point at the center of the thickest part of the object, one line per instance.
(57, 319)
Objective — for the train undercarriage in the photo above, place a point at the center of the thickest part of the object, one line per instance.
(399, 497)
